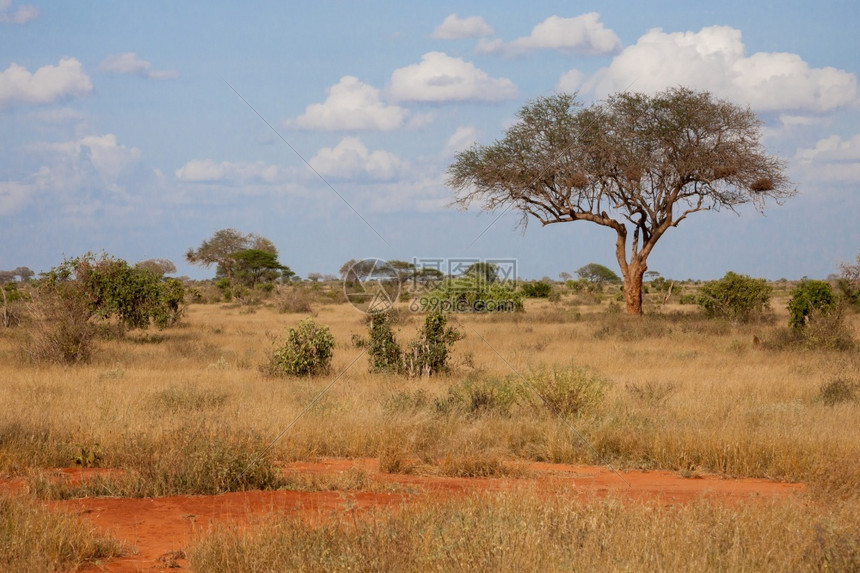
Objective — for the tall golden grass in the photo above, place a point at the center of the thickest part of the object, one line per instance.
(676, 392)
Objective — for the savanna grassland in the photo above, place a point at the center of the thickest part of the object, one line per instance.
(189, 410)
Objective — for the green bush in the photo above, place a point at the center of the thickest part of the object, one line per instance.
(306, 352)
(807, 298)
(428, 354)
(479, 395)
(383, 351)
(738, 298)
(471, 294)
(539, 289)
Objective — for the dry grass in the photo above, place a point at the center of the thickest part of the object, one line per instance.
(35, 539)
(531, 532)
(183, 409)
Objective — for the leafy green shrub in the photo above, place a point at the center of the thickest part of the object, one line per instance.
(738, 298)
(809, 297)
(383, 351)
(569, 391)
(306, 352)
(428, 354)
(539, 289)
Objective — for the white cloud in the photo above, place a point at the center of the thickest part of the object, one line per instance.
(208, 171)
(583, 34)
(570, 81)
(87, 165)
(351, 159)
(833, 159)
(714, 59)
(46, 85)
(13, 196)
(440, 77)
(23, 14)
(351, 105)
(129, 63)
(99, 156)
(461, 139)
(455, 28)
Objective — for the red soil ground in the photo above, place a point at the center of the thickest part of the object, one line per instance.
(158, 529)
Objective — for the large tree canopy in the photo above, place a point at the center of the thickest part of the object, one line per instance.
(635, 163)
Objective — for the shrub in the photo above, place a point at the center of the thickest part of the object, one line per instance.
(537, 290)
(569, 391)
(384, 352)
(839, 390)
(306, 352)
(477, 395)
(428, 354)
(470, 294)
(736, 297)
(809, 297)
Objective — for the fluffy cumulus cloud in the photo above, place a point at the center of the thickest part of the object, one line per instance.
(455, 28)
(208, 171)
(351, 159)
(20, 14)
(714, 59)
(832, 159)
(583, 34)
(90, 165)
(89, 159)
(440, 77)
(461, 139)
(351, 105)
(46, 85)
(129, 63)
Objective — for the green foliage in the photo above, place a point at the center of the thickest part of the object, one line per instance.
(483, 271)
(809, 297)
(538, 289)
(736, 297)
(306, 352)
(594, 273)
(384, 352)
(221, 247)
(470, 293)
(254, 266)
(428, 354)
(109, 288)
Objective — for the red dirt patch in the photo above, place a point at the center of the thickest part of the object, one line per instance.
(160, 528)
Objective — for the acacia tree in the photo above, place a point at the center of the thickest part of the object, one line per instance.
(635, 163)
(221, 248)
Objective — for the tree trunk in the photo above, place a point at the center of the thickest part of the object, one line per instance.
(633, 287)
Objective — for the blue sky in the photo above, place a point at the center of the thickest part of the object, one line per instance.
(121, 132)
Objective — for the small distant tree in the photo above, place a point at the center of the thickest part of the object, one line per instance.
(564, 276)
(848, 283)
(160, 267)
(483, 271)
(315, 277)
(735, 297)
(220, 248)
(254, 266)
(594, 273)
